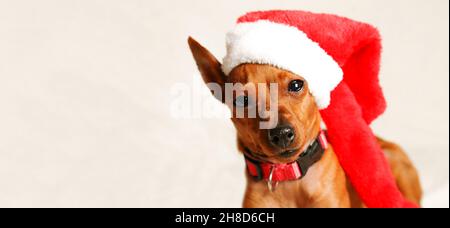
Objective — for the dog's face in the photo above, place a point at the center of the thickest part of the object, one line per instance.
(297, 121)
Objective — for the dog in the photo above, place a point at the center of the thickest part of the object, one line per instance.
(298, 124)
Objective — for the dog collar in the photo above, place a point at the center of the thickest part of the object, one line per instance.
(295, 170)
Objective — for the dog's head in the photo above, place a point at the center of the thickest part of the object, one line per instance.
(296, 121)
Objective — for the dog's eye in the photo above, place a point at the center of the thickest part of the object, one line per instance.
(241, 101)
(295, 86)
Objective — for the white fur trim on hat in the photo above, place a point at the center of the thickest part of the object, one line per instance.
(285, 47)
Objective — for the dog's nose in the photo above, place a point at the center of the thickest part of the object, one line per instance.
(281, 136)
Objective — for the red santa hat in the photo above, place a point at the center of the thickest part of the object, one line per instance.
(340, 59)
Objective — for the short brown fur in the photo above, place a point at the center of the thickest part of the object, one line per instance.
(326, 184)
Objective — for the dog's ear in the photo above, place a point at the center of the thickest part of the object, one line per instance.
(209, 68)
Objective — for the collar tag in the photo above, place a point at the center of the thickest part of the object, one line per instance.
(271, 184)
(274, 173)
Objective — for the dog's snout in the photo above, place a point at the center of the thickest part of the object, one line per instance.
(281, 136)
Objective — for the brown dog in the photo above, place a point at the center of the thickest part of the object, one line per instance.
(325, 184)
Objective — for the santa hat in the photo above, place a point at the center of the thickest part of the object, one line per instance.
(339, 58)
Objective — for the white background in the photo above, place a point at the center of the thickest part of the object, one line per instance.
(85, 99)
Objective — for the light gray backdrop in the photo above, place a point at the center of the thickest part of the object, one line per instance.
(85, 99)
